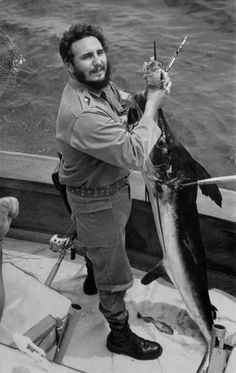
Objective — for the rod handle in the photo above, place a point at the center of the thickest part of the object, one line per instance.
(67, 332)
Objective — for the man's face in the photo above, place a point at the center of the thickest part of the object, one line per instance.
(90, 62)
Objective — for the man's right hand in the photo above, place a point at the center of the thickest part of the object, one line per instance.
(158, 86)
(157, 96)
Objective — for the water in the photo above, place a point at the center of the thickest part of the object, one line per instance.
(201, 109)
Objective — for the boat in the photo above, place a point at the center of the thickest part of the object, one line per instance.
(42, 215)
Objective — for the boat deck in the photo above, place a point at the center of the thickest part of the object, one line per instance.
(25, 269)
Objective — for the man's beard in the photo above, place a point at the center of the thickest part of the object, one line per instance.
(100, 84)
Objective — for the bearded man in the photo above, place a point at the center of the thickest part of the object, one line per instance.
(98, 148)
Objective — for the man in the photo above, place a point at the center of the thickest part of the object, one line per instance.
(98, 151)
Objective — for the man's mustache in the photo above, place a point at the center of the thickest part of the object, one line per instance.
(97, 69)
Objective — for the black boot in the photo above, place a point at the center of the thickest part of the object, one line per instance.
(89, 283)
(122, 340)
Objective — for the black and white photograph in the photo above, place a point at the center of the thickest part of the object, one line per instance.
(117, 186)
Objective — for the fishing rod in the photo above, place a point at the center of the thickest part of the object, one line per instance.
(167, 68)
(176, 54)
(180, 47)
(212, 180)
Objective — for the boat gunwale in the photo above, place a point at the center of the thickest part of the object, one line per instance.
(38, 169)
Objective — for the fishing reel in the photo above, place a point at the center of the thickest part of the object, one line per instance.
(63, 245)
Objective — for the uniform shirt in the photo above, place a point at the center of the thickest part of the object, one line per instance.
(92, 135)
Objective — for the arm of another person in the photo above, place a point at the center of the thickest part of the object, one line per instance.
(9, 209)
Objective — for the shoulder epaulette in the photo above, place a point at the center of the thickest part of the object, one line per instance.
(85, 101)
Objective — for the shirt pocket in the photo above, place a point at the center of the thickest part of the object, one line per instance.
(96, 225)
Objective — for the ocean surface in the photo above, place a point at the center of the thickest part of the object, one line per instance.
(201, 109)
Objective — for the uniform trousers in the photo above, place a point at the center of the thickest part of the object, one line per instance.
(100, 223)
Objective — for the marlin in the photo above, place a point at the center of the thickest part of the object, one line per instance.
(174, 207)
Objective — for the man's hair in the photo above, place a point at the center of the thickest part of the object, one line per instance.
(78, 32)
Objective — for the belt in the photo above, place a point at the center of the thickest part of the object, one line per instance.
(99, 191)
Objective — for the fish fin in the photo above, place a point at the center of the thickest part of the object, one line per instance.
(209, 190)
(213, 192)
(155, 273)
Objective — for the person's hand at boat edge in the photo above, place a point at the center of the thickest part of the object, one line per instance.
(9, 209)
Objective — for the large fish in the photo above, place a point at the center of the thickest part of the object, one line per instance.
(175, 213)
